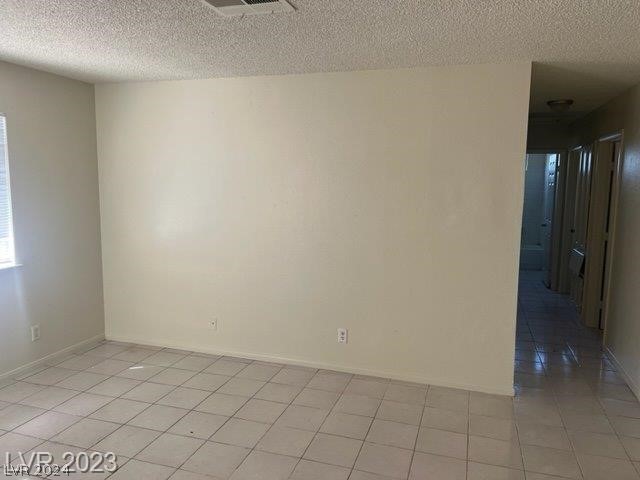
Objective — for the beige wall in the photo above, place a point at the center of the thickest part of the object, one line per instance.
(52, 156)
(386, 202)
(623, 324)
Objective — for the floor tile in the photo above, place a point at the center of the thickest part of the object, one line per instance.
(352, 426)
(405, 394)
(18, 391)
(225, 367)
(479, 471)
(629, 427)
(265, 466)
(83, 404)
(495, 452)
(82, 381)
(184, 398)
(85, 433)
(367, 388)
(444, 420)
(216, 459)
(137, 470)
(492, 427)
(241, 386)
(308, 470)
(410, 413)
(394, 434)
(359, 475)
(604, 468)
(172, 376)
(285, 441)
(242, 433)
(304, 418)
(184, 475)
(120, 410)
(222, 404)
(258, 371)
(261, 411)
(550, 461)
(329, 381)
(448, 399)
(384, 460)
(148, 392)
(579, 422)
(632, 446)
(427, 466)
(158, 417)
(543, 436)
(141, 372)
(276, 392)
(127, 441)
(110, 366)
(106, 350)
(11, 443)
(490, 405)
(357, 405)
(194, 363)
(170, 450)
(163, 359)
(134, 354)
(293, 376)
(333, 450)
(198, 425)
(47, 425)
(440, 442)
(206, 381)
(114, 386)
(323, 399)
(15, 415)
(50, 376)
(49, 397)
(620, 408)
(80, 362)
(597, 444)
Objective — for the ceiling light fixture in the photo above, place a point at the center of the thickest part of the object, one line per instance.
(561, 105)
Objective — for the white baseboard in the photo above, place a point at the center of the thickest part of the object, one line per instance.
(508, 391)
(60, 353)
(623, 373)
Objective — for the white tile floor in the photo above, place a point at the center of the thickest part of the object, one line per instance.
(186, 416)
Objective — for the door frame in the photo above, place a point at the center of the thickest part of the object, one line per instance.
(595, 238)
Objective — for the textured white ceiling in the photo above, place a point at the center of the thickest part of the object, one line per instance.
(585, 49)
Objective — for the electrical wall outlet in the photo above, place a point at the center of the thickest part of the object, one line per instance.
(343, 335)
(35, 332)
(214, 324)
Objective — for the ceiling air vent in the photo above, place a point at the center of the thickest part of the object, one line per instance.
(236, 8)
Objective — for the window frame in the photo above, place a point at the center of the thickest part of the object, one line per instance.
(12, 262)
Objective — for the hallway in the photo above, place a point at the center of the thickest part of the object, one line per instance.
(574, 413)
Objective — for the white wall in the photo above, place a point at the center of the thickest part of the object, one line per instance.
(387, 202)
(52, 157)
(623, 323)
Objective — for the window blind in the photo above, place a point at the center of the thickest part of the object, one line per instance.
(6, 224)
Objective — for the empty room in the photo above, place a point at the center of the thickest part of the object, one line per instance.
(320, 240)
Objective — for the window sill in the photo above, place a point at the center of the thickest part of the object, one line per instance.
(8, 266)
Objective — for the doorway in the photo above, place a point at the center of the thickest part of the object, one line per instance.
(539, 214)
(574, 197)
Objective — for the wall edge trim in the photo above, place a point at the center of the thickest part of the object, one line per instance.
(508, 390)
(635, 388)
(52, 356)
